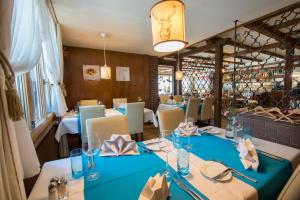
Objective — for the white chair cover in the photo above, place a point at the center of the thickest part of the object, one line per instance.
(135, 113)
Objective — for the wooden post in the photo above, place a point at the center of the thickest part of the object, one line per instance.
(217, 86)
(289, 67)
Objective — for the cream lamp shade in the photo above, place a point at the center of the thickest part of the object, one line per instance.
(179, 75)
(168, 29)
(105, 72)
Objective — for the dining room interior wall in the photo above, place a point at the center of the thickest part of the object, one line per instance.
(105, 90)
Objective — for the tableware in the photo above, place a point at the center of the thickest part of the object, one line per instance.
(90, 151)
(183, 167)
(187, 189)
(241, 174)
(165, 147)
(213, 131)
(215, 171)
(76, 163)
(270, 155)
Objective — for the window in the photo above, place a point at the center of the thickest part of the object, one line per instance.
(165, 80)
(34, 90)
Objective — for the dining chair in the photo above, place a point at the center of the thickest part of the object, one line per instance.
(170, 119)
(178, 98)
(163, 99)
(135, 114)
(118, 101)
(103, 128)
(207, 112)
(89, 102)
(192, 109)
(88, 112)
(291, 189)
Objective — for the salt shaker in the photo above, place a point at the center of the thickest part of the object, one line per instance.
(52, 191)
(62, 189)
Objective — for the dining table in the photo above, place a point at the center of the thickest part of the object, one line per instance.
(70, 122)
(123, 177)
(168, 106)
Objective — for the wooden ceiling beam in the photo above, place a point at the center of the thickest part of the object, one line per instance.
(268, 31)
(250, 49)
(292, 22)
(228, 55)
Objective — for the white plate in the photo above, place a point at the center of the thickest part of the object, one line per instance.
(213, 131)
(211, 169)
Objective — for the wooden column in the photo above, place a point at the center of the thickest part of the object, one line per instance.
(217, 86)
(289, 66)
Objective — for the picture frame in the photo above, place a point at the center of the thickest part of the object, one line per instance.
(91, 72)
(122, 73)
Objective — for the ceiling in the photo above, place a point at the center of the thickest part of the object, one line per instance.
(128, 26)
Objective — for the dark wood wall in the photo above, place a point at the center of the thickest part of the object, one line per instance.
(106, 90)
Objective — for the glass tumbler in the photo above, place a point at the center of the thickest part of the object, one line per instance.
(76, 163)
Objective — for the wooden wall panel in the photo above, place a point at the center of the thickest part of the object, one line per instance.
(105, 90)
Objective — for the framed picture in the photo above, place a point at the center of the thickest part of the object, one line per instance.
(122, 74)
(91, 72)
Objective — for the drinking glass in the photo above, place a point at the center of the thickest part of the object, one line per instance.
(76, 163)
(247, 134)
(165, 147)
(90, 150)
(183, 167)
(176, 138)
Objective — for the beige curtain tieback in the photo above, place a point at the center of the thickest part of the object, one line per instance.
(13, 100)
(63, 88)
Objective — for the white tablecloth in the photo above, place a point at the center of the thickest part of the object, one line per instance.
(235, 189)
(69, 123)
(165, 107)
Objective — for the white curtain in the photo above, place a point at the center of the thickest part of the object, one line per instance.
(26, 38)
(53, 59)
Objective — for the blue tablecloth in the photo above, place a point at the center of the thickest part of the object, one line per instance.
(124, 177)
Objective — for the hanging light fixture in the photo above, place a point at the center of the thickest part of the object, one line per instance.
(178, 73)
(168, 29)
(105, 70)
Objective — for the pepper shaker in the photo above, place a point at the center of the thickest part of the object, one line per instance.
(52, 191)
(62, 189)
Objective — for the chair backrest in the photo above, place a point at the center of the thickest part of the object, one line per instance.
(170, 119)
(88, 112)
(291, 189)
(135, 114)
(118, 101)
(178, 98)
(163, 99)
(207, 109)
(104, 127)
(90, 102)
(192, 108)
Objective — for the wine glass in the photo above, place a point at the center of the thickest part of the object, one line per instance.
(191, 130)
(165, 147)
(90, 150)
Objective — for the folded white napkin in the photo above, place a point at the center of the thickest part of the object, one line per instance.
(119, 145)
(248, 154)
(187, 129)
(156, 188)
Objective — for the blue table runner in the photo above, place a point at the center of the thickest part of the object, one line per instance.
(124, 177)
(272, 174)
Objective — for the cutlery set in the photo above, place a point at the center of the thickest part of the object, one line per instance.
(187, 189)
